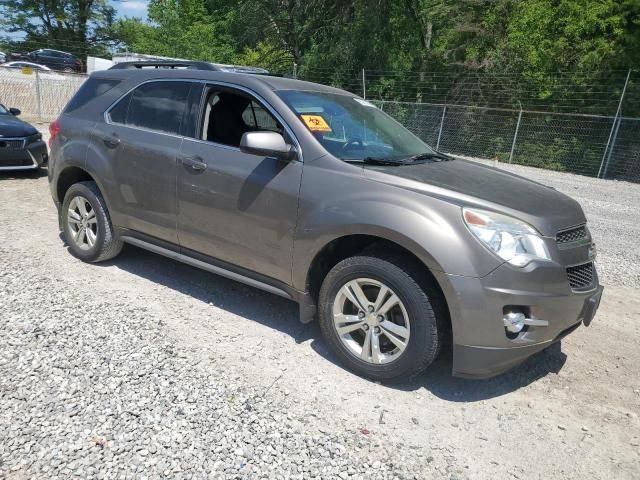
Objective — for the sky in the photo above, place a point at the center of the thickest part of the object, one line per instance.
(130, 8)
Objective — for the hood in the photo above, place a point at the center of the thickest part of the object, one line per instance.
(11, 126)
(473, 184)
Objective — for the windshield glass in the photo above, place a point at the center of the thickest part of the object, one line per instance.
(351, 128)
(3, 110)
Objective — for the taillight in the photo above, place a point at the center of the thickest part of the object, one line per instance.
(54, 129)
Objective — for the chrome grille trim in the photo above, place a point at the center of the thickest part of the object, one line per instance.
(12, 143)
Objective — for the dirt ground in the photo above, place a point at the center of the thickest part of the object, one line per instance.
(568, 412)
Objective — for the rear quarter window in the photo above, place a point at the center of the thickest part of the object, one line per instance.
(92, 88)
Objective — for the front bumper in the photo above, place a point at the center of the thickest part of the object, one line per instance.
(29, 157)
(482, 347)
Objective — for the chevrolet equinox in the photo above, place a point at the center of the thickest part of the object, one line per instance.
(317, 195)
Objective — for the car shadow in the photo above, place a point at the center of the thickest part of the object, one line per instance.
(234, 297)
(282, 314)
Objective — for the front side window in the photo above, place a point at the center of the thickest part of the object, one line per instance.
(228, 115)
(155, 106)
(351, 128)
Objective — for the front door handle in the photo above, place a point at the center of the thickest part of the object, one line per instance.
(194, 163)
(111, 141)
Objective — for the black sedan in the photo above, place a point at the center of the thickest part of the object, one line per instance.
(21, 145)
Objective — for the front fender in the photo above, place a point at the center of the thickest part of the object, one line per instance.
(429, 227)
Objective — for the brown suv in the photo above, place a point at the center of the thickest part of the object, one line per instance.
(316, 195)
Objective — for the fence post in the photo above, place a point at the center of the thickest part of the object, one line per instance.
(515, 135)
(295, 71)
(613, 144)
(38, 97)
(444, 111)
(604, 164)
(364, 86)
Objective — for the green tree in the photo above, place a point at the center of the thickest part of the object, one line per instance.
(178, 28)
(77, 26)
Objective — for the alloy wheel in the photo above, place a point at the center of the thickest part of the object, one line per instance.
(83, 225)
(371, 321)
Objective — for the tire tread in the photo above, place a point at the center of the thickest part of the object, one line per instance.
(417, 285)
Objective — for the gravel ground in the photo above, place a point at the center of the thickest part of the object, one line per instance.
(146, 368)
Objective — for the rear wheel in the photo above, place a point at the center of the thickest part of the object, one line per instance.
(86, 224)
(377, 319)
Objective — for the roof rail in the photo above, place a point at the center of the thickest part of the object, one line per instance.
(164, 64)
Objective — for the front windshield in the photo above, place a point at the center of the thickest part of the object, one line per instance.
(3, 110)
(351, 128)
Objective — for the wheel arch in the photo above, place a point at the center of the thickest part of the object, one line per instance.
(353, 244)
(68, 177)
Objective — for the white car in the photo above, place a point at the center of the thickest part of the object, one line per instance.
(20, 64)
(3, 57)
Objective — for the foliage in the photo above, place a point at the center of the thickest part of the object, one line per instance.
(501, 53)
(178, 28)
(78, 26)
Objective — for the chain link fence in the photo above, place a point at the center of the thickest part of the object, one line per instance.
(575, 143)
(587, 144)
(40, 95)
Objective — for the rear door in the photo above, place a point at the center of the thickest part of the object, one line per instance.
(142, 139)
(236, 207)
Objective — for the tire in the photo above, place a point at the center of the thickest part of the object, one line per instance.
(106, 245)
(401, 278)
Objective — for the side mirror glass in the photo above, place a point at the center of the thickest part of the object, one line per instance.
(15, 111)
(267, 144)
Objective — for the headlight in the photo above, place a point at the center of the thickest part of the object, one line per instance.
(34, 138)
(511, 239)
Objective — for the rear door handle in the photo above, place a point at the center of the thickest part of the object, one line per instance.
(194, 163)
(111, 141)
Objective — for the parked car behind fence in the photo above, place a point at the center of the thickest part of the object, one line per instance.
(54, 59)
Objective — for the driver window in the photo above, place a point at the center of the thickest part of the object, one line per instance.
(228, 115)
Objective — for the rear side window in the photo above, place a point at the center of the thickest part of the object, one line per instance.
(92, 88)
(158, 106)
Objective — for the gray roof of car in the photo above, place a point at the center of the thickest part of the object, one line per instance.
(241, 79)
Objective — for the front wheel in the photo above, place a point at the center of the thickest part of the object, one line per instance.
(377, 319)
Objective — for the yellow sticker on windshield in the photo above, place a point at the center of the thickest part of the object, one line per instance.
(316, 123)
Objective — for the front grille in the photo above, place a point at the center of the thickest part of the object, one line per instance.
(572, 235)
(12, 144)
(581, 276)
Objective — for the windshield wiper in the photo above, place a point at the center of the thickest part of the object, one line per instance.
(378, 161)
(429, 156)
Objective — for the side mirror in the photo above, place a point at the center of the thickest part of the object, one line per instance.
(15, 111)
(267, 144)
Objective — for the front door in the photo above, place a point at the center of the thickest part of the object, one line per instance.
(236, 207)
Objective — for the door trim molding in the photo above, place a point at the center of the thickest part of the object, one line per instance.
(206, 266)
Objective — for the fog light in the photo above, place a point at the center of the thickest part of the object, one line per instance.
(514, 321)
